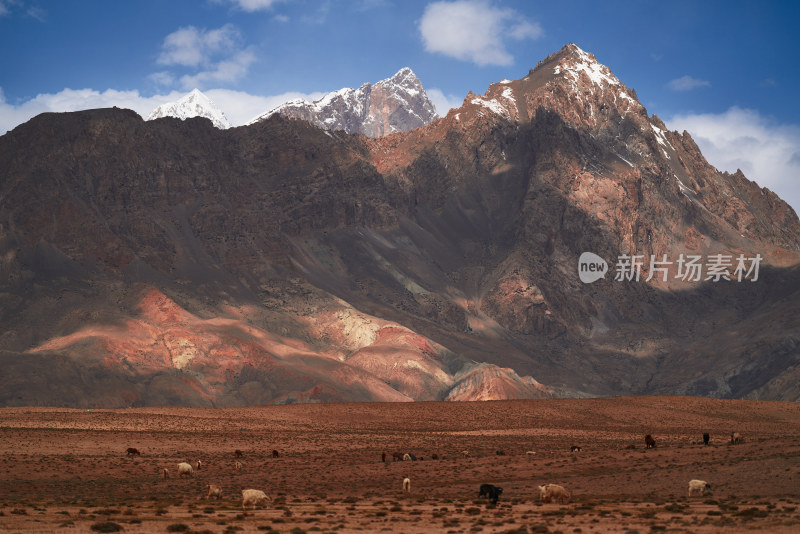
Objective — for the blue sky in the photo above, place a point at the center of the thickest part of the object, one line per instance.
(726, 71)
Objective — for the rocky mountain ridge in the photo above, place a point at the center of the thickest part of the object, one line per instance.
(396, 104)
(170, 262)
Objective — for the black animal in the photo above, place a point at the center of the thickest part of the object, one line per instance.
(574, 448)
(237, 453)
(649, 442)
(501, 452)
(490, 492)
(706, 437)
(276, 454)
(133, 452)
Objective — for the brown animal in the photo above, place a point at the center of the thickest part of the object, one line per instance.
(165, 473)
(736, 438)
(237, 453)
(649, 442)
(133, 452)
(212, 490)
(554, 493)
(275, 454)
(237, 465)
(397, 456)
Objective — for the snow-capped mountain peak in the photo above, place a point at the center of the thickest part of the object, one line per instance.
(193, 104)
(396, 104)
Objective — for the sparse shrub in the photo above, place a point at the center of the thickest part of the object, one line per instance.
(106, 526)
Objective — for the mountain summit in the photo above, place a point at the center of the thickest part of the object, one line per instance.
(193, 104)
(396, 104)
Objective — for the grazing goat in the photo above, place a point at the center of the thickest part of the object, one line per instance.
(185, 469)
(500, 452)
(275, 454)
(736, 438)
(407, 485)
(253, 497)
(237, 453)
(574, 448)
(554, 493)
(706, 438)
(133, 452)
(465, 453)
(649, 442)
(698, 486)
(212, 490)
(531, 453)
(490, 492)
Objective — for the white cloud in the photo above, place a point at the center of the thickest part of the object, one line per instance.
(442, 102)
(474, 30)
(765, 151)
(254, 5)
(238, 106)
(229, 70)
(687, 83)
(191, 46)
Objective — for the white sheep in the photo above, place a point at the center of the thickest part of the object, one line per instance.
(212, 490)
(736, 438)
(554, 492)
(698, 486)
(254, 497)
(406, 457)
(199, 464)
(531, 453)
(185, 469)
(407, 485)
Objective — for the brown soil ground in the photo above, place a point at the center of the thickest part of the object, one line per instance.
(66, 470)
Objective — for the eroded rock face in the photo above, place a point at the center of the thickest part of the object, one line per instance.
(170, 262)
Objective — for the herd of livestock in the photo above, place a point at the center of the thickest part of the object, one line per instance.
(548, 493)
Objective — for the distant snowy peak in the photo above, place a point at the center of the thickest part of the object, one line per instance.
(194, 104)
(396, 104)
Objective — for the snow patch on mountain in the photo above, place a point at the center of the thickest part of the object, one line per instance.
(396, 104)
(194, 104)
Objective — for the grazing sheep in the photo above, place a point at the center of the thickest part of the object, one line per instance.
(407, 485)
(574, 448)
(275, 454)
(490, 492)
(237, 465)
(706, 438)
(133, 451)
(165, 473)
(237, 453)
(649, 442)
(185, 469)
(698, 486)
(213, 490)
(736, 438)
(554, 493)
(500, 452)
(254, 497)
(465, 453)
(531, 453)
(406, 457)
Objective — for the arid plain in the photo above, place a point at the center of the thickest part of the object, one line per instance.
(67, 470)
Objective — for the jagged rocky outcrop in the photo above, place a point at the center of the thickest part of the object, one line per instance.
(193, 104)
(396, 104)
(171, 262)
